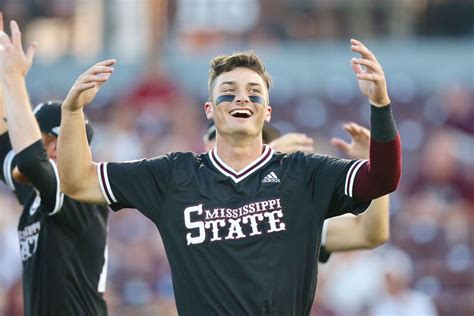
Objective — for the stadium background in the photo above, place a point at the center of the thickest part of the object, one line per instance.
(153, 104)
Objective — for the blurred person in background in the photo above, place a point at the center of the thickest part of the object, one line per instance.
(62, 242)
(398, 298)
(263, 211)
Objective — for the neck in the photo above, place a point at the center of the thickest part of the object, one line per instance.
(238, 154)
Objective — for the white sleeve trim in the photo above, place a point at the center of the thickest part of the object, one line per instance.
(7, 169)
(324, 232)
(59, 195)
(351, 175)
(104, 183)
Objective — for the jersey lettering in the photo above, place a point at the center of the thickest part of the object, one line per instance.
(223, 223)
(192, 225)
(29, 240)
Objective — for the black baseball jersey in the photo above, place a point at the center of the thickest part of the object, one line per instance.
(62, 242)
(238, 243)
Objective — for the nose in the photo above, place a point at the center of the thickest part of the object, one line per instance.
(241, 97)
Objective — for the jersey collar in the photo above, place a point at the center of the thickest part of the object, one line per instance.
(238, 176)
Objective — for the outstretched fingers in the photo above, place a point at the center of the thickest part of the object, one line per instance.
(85, 86)
(108, 62)
(356, 131)
(102, 65)
(340, 144)
(95, 78)
(30, 52)
(358, 47)
(16, 35)
(4, 39)
(369, 65)
(103, 68)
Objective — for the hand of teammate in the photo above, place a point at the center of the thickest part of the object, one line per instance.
(292, 142)
(14, 62)
(360, 141)
(88, 84)
(370, 75)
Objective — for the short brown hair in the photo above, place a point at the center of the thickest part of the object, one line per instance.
(225, 63)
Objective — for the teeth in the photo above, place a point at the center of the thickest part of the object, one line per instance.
(241, 112)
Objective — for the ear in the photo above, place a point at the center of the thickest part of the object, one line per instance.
(268, 114)
(208, 108)
(51, 147)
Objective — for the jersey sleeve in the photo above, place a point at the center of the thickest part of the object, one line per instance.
(7, 164)
(334, 179)
(6, 159)
(43, 175)
(139, 184)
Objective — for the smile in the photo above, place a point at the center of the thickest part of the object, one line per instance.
(241, 113)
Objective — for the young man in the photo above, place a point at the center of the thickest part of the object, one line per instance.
(62, 242)
(342, 233)
(241, 225)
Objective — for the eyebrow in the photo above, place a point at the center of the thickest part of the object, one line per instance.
(234, 83)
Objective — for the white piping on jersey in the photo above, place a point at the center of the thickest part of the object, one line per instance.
(350, 177)
(7, 169)
(99, 176)
(59, 195)
(238, 176)
(324, 232)
(103, 274)
(105, 184)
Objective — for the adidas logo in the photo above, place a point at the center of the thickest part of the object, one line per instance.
(271, 177)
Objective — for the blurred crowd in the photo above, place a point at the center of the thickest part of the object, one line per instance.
(427, 268)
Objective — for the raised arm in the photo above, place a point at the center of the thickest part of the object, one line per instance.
(369, 229)
(3, 115)
(381, 174)
(14, 65)
(77, 171)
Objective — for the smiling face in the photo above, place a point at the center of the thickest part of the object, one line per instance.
(239, 103)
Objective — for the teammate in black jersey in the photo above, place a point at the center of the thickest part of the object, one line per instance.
(241, 224)
(343, 233)
(62, 242)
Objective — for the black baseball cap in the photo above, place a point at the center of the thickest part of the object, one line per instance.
(48, 115)
(269, 133)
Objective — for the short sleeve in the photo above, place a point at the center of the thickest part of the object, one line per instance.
(43, 175)
(334, 178)
(138, 184)
(6, 159)
(7, 164)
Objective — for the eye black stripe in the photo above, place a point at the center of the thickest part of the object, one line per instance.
(256, 99)
(225, 98)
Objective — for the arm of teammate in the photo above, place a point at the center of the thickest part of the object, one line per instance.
(77, 171)
(32, 163)
(14, 65)
(381, 174)
(6, 153)
(3, 115)
(369, 229)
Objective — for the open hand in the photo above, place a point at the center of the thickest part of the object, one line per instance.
(360, 141)
(88, 84)
(370, 75)
(292, 142)
(14, 62)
